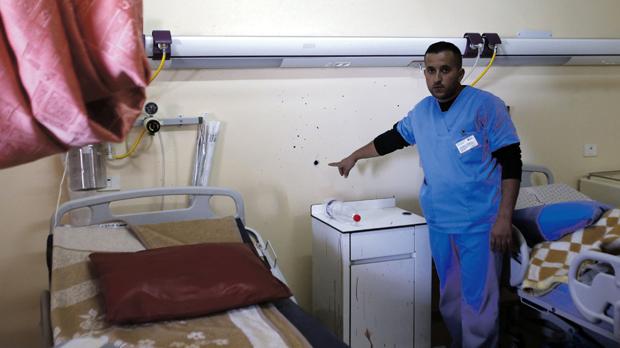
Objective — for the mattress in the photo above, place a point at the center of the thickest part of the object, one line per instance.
(76, 308)
(532, 196)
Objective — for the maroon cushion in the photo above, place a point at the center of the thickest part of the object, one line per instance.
(183, 281)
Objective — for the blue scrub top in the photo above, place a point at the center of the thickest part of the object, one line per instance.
(461, 190)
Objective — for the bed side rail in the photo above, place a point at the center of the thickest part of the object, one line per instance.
(594, 300)
(199, 207)
(528, 170)
(519, 259)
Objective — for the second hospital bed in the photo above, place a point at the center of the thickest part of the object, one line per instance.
(72, 309)
(587, 307)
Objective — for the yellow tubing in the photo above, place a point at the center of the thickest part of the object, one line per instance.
(133, 147)
(161, 66)
(485, 69)
(135, 144)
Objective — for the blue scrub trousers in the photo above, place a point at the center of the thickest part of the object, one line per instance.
(469, 275)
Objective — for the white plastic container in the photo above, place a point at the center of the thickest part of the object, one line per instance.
(338, 210)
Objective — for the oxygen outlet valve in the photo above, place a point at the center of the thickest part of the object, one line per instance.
(150, 108)
(152, 124)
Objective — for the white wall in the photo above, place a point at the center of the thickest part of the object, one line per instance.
(452, 18)
(277, 122)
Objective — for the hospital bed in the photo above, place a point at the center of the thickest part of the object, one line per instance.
(108, 229)
(587, 312)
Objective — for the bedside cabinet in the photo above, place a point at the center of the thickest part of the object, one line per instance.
(371, 280)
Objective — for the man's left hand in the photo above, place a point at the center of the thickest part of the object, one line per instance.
(501, 235)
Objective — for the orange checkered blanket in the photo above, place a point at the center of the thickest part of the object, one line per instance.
(549, 261)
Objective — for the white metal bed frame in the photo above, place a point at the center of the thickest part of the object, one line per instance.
(199, 208)
(575, 306)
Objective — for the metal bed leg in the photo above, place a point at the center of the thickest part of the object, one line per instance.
(45, 323)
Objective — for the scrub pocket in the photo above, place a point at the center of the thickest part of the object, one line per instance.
(475, 155)
(484, 197)
(427, 203)
(448, 204)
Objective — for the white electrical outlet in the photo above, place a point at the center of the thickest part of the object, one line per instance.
(590, 150)
(113, 183)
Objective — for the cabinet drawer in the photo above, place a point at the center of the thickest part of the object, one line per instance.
(382, 243)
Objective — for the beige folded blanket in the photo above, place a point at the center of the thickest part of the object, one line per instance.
(223, 230)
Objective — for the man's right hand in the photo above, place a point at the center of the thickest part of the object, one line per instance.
(345, 165)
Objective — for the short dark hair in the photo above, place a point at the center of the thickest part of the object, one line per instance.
(442, 46)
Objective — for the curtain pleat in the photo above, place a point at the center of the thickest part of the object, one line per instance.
(72, 72)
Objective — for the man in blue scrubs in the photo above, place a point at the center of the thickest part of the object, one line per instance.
(470, 155)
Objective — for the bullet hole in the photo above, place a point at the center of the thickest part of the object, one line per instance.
(397, 105)
(298, 135)
(294, 147)
(317, 127)
(316, 163)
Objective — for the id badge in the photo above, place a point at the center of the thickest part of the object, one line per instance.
(467, 144)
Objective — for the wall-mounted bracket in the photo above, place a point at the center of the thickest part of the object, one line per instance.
(174, 121)
(474, 40)
(161, 38)
(490, 41)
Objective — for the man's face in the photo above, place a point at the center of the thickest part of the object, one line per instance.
(443, 76)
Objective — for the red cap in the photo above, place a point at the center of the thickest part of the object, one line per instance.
(357, 217)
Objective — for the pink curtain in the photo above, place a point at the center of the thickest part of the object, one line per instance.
(72, 72)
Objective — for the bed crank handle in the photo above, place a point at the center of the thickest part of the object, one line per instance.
(273, 252)
(262, 246)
